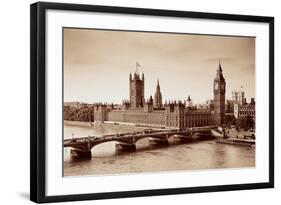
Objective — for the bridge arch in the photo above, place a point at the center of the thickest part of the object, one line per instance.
(129, 140)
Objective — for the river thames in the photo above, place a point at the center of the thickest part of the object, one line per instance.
(194, 155)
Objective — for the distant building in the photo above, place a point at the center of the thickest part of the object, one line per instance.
(74, 104)
(229, 106)
(239, 97)
(245, 110)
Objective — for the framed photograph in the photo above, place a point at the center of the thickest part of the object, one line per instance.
(129, 102)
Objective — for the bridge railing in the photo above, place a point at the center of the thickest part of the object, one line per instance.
(136, 134)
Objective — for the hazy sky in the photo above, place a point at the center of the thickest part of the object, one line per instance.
(97, 64)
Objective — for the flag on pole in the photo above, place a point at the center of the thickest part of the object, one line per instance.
(137, 66)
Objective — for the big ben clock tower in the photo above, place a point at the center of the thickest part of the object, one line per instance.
(219, 98)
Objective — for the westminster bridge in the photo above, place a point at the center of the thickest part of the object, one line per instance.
(127, 141)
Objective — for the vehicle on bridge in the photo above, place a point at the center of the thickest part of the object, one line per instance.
(96, 137)
(145, 131)
(73, 140)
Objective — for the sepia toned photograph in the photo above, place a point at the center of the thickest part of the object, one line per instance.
(142, 102)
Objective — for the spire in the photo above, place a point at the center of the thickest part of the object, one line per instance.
(220, 69)
(219, 75)
(158, 85)
(158, 96)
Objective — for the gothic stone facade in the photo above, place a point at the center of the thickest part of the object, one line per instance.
(219, 98)
(173, 114)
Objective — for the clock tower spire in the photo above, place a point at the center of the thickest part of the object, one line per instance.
(219, 97)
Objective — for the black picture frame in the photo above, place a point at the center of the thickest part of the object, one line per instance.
(38, 100)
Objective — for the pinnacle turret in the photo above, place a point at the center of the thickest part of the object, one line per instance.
(158, 96)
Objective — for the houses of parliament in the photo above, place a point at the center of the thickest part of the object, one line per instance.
(153, 112)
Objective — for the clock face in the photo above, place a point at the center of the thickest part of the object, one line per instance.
(216, 86)
(222, 86)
